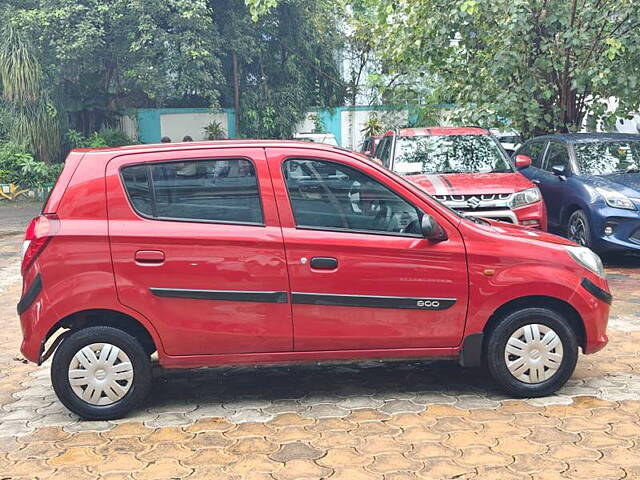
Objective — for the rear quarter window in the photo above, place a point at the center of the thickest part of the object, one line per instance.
(218, 191)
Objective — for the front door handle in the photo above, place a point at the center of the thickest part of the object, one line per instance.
(324, 263)
(149, 257)
(536, 181)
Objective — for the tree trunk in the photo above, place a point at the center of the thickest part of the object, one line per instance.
(236, 92)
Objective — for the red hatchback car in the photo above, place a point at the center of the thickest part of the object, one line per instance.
(466, 169)
(257, 252)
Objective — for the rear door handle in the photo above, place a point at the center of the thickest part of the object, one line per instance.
(324, 263)
(149, 257)
(536, 181)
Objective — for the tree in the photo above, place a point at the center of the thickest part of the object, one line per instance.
(280, 65)
(103, 57)
(540, 64)
(28, 115)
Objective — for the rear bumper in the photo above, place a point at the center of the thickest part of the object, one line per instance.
(30, 295)
(30, 309)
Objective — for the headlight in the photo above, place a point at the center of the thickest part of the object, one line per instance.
(526, 197)
(616, 199)
(587, 258)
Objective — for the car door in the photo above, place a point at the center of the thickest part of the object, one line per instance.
(197, 249)
(362, 276)
(553, 186)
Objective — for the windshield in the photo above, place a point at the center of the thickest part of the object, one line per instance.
(449, 154)
(607, 157)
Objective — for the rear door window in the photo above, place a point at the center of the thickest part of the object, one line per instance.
(219, 191)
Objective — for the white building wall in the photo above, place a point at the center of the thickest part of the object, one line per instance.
(177, 125)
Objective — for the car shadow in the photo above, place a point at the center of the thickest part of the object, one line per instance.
(320, 382)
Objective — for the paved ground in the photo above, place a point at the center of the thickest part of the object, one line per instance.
(349, 421)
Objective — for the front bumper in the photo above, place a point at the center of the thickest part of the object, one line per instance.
(626, 230)
(593, 300)
(534, 215)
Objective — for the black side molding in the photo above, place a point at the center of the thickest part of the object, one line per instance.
(471, 353)
(229, 295)
(403, 303)
(30, 295)
(596, 291)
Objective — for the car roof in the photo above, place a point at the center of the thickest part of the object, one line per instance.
(423, 132)
(590, 137)
(167, 147)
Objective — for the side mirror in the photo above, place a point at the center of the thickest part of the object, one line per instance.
(431, 230)
(522, 161)
(367, 153)
(559, 171)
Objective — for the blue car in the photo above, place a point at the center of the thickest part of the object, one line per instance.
(590, 183)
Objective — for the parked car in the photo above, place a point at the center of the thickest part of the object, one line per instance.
(233, 252)
(328, 138)
(591, 186)
(370, 144)
(509, 139)
(467, 170)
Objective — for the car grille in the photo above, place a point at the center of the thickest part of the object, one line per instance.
(496, 206)
(483, 197)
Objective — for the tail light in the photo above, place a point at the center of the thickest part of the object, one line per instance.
(38, 234)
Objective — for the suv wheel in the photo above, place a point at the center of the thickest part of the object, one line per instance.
(101, 373)
(578, 229)
(532, 352)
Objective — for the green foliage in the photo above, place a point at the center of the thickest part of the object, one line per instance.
(373, 126)
(286, 62)
(318, 124)
(258, 8)
(28, 114)
(214, 131)
(542, 64)
(116, 138)
(106, 138)
(103, 57)
(18, 166)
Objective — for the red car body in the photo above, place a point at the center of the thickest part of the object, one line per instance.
(482, 194)
(90, 253)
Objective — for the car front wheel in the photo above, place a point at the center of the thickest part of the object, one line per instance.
(532, 352)
(101, 373)
(578, 229)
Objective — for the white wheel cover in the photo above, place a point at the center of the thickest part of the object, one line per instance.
(100, 374)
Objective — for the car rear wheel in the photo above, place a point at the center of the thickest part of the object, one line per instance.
(532, 352)
(101, 373)
(578, 229)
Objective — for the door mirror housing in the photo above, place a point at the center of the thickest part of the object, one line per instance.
(559, 171)
(431, 230)
(522, 161)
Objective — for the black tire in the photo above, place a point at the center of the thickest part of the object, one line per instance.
(497, 343)
(137, 391)
(578, 228)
